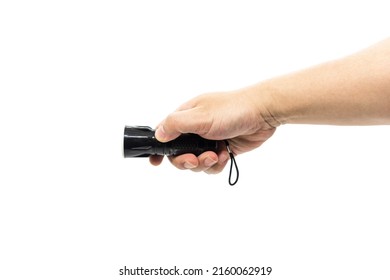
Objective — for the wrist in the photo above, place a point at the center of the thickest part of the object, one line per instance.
(267, 104)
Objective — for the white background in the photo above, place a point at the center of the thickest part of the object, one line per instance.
(313, 202)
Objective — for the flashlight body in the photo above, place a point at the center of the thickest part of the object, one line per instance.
(140, 141)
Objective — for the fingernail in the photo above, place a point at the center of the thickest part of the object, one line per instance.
(208, 162)
(160, 133)
(189, 165)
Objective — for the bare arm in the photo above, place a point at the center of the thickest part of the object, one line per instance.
(351, 91)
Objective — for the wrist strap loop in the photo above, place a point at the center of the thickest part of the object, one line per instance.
(232, 162)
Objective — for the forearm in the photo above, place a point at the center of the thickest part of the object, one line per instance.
(351, 91)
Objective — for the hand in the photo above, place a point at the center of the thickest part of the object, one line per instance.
(235, 116)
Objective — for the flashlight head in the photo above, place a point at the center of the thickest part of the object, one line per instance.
(138, 141)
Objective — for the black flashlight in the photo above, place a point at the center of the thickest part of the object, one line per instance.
(139, 141)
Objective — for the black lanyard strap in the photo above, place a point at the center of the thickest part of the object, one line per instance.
(232, 162)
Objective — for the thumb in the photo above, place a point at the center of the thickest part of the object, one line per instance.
(162, 136)
(185, 121)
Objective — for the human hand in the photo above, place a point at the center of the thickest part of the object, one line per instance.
(235, 116)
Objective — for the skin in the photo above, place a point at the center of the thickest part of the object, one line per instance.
(354, 90)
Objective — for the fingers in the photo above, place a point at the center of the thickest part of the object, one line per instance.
(223, 158)
(156, 160)
(186, 161)
(208, 162)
